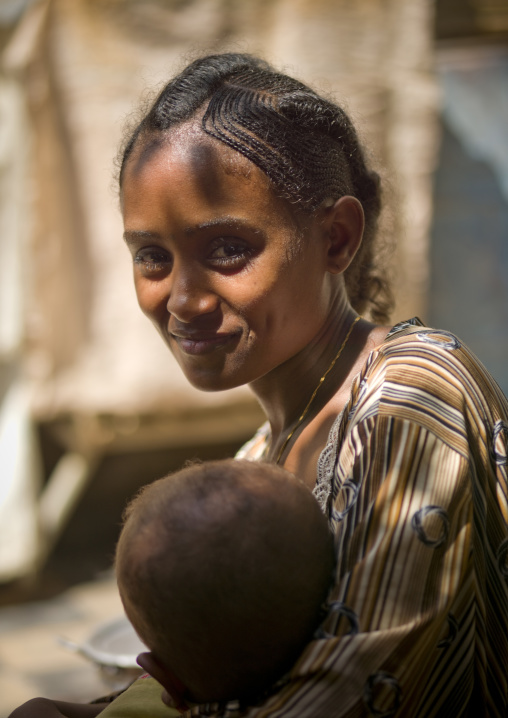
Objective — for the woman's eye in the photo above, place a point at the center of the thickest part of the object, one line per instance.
(152, 260)
(229, 253)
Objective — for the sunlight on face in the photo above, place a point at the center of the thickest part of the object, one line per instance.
(220, 265)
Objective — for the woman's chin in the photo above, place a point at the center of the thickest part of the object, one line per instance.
(211, 381)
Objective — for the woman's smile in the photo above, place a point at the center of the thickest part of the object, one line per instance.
(200, 343)
(221, 265)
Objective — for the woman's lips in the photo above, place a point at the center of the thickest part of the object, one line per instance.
(199, 344)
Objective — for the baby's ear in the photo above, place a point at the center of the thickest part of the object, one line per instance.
(174, 690)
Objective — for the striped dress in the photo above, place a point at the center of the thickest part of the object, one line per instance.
(414, 482)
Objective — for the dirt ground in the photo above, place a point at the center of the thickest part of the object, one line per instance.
(33, 662)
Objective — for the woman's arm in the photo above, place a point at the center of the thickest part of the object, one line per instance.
(45, 708)
(399, 638)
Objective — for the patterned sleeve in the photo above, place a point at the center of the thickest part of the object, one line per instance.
(403, 595)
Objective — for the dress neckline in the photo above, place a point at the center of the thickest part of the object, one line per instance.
(256, 449)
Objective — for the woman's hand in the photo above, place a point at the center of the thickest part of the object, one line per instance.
(45, 708)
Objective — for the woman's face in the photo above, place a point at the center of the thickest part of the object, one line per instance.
(235, 284)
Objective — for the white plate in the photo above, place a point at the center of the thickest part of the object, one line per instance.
(114, 643)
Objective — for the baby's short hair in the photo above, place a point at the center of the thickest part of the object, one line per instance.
(223, 568)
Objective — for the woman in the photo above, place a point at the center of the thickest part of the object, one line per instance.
(251, 218)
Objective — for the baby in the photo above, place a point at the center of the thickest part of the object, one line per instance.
(222, 568)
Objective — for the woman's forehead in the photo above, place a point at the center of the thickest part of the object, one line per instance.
(190, 174)
(199, 176)
(188, 145)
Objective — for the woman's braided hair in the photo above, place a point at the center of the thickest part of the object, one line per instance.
(305, 144)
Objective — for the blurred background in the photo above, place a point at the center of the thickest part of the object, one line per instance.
(92, 405)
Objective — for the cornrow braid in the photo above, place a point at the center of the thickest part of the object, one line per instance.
(240, 117)
(305, 144)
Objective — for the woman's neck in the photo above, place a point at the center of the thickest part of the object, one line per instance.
(285, 391)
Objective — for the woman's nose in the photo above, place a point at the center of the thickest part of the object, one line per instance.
(189, 296)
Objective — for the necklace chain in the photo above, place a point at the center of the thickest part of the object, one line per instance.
(304, 412)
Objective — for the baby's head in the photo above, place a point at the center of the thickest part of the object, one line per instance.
(222, 569)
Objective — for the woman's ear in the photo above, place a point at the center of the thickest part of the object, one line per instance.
(344, 223)
(174, 690)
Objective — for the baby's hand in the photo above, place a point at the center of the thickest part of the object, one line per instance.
(174, 690)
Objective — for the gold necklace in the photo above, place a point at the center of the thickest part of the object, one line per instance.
(304, 412)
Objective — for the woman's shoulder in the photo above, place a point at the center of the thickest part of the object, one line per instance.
(429, 376)
(433, 359)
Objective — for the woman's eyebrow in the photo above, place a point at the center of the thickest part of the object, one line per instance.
(225, 221)
(132, 235)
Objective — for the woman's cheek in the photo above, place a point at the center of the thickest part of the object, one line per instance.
(151, 296)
